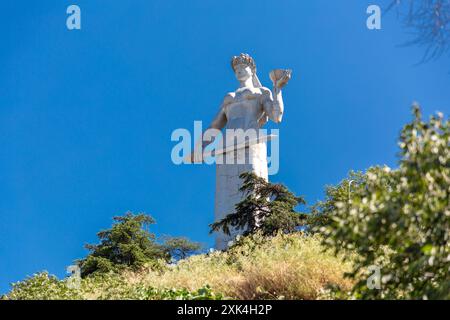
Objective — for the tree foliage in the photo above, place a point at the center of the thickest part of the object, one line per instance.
(334, 196)
(101, 286)
(180, 247)
(127, 244)
(398, 219)
(266, 207)
(429, 22)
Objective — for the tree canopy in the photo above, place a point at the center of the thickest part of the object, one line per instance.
(266, 207)
(398, 220)
(130, 244)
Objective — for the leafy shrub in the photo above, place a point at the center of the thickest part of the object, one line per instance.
(42, 286)
(111, 286)
(398, 219)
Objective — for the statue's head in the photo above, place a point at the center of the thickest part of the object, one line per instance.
(244, 66)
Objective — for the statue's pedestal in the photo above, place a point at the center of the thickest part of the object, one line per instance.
(230, 163)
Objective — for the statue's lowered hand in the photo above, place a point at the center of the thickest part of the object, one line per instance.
(280, 77)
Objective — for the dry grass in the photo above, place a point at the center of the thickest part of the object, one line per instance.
(283, 267)
(286, 266)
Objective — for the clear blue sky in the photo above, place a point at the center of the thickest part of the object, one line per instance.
(86, 116)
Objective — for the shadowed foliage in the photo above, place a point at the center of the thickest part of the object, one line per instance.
(399, 220)
(267, 208)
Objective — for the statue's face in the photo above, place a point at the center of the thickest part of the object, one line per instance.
(243, 72)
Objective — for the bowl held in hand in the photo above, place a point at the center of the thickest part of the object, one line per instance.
(280, 77)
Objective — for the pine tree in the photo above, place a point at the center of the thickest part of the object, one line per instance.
(267, 208)
(180, 247)
(127, 244)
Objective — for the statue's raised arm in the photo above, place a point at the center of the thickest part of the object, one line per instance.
(250, 105)
(273, 100)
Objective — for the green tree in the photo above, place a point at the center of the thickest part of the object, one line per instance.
(180, 247)
(399, 219)
(266, 207)
(127, 244)
(336, 195)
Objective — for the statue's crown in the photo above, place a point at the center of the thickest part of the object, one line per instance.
(243, 58)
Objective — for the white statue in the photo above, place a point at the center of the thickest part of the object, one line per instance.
(249, 107)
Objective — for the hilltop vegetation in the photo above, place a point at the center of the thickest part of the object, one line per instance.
(393, 221)
(283, 267)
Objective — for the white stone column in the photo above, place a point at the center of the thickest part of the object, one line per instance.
(228, 181)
